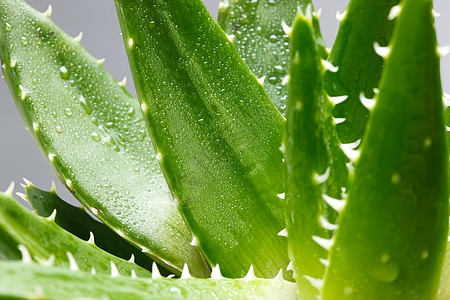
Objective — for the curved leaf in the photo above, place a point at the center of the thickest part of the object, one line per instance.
(393, 231)
(93, 134)
(217, 134)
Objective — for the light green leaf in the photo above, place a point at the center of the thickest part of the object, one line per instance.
(259, 37)
(393, 231)
(93, 134)
(217, 134)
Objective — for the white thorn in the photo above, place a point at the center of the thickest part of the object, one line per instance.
(171, 276)
(23, 92)
(145, 250)
(9, 191)
(78, 37)
(308, 12)
(13, 63)
(447, 128)
(72, 262)
(130, 43)
(93, 271)
(26, 256)
(446, 100)
(315, 282)
(394, 12)
(231, 37)
(123, 82)
(48, 12)
(52, 216)
(53, 188)
(215, 273)
(340, 16)
(286, 28)
(48, 262)
(101, 61)
(91, 239)
(327, 225)
(69, 183)
(279, 276)
(133, 274)
(337, 205)
(194, 241)
(350, 150)
(185, 273)
(51, 157)
(144, 109)
(250, 274)
(435, 14)
(290, 266)
(368, 103)
(329, 66)
(27, 182)
(318, 13)
(23, 196)
(114, 271)
(283, 232)
(261, 80)
(376, 91)
(338, 99)
(324, 243)
(35, 127)
(131, 260)
(282, 196)
(324, 262)
(321, 178)
(155, 271)
(381, 51)
(443, 51)
(285, 80)
(339, 120)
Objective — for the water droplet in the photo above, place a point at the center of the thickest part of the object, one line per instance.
(59, 129)
(68, 111)
(24, 40)
(95, 137)
(131, 111)
(64, 73)
(8, 27)
(385, 271)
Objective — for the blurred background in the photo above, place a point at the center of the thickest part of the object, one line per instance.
(20, 157)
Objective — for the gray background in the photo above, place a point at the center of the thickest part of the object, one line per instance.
(19, 156)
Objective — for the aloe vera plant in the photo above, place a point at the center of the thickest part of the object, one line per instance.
(257, 163)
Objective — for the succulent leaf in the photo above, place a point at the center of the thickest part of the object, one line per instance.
(393, 231)
(316, 166)
(444, 287)
(364, 23)
(216, 132)
(259, 30)
(78, 222)
(32, 281)
(46, 242)
(93, 134)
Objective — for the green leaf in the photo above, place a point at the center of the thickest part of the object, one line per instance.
(444, 287)
(78, 222)
(93, 134)
(261, 41)
(365, 22)
(315, 163)
(46, 242)
(31, 281)
(216, 132)
(393, 231)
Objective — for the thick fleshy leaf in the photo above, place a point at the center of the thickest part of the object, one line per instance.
(216, 132)
(78, 222)
(46, 242)
(316, 165)
(393, 231)
(444, 287)
(31, 281)
(261, 40)
(364, 23)
(93, 134)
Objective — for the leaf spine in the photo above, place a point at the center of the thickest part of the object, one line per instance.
(13, 63)
(339, 120)
(69, 183)
(52, 217)
(368, 103)
(381, 51)
(309, 11)
(35, 127)
(215, 273)
(185, 273)
(338, 99)
(250, 274)
(133, 274)
(78, 37)
(22, 196)
(23, 92)
(337, 205)
(324, 243)
(327, 225)
(131, 260)
(51, 157)
(318, 13)
(285, 80)
(123, 82)
(435, 14)
(350, 150)
(290, 266)
(283, 232)
(91, 239)
(93, 271)
(286, 28)
(282, 196)
(394, 12)
(10, 190)
(194, 241)
(155, 271)
(329, 66)
(130, 43)
(261, 80)
(322, 177)
(48, 12)
(48, 262)
(53, 188)
(26, 256)
(114, 271)
(28, 183)
(231, 37)
(72, 262)
(443, 50)
(341, 16)
(315, 282)
(101, 61)
(279, 275)
(324, 262)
